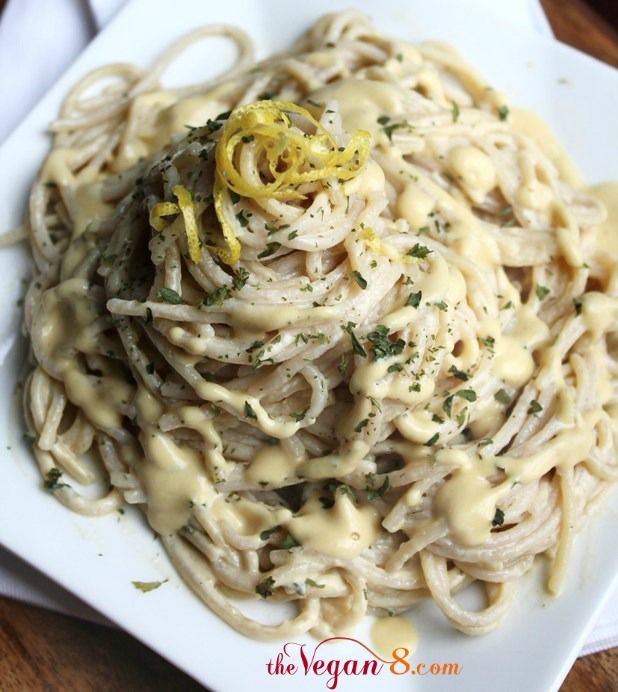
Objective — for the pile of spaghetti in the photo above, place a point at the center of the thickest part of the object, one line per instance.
(340, 329)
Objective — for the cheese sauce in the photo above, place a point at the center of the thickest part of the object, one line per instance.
(390, 633)
(64, 328)
(344, 530)
(271, 465)
(530, 124)
(361, 103)
(607, 236)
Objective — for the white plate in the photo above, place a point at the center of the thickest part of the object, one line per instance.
(98, 558)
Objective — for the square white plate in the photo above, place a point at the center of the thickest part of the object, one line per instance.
(98, 558)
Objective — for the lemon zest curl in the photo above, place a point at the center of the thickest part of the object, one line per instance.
(186, 208)
(289, 157)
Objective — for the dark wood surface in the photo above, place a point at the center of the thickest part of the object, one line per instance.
(47, 652)
(576, 23)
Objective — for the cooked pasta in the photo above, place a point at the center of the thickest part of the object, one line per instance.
(333, 320)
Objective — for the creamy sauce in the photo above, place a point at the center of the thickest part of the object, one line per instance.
(339, 463)
(607, 234)
(362, 102)
(271, 465)
(64, 327)
(474, 169)
(241, 402)
(369, 180)
(344, 530)
(173, 478)
(513, 362)
(468, 500)
(196, 419)
(249, 518)
(528, 123)
(87, 206)
(535, 195)
(466, 234)
(369, 380)
(417, 426)
(415, 205)
(172, 475)
(599, 313)
(83, 201)
(390, 633)
(157, 117)
(489, 416)
(57, 168)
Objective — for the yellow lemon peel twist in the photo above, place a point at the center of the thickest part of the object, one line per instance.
(185, 202)
(186, 208)
(291, 156)
(159, 211)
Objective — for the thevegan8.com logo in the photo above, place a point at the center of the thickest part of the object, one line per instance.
(300, 659)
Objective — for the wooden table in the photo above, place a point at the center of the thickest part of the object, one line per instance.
(40, 650)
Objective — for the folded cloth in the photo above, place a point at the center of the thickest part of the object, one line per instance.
(20, 581)
(43, 57)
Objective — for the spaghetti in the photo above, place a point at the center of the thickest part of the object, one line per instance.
(347, 339)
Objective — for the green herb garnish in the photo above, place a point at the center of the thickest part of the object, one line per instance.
(239, 279)
(270, 249)
(489, 342)
(169, 295)
(432, 440)
(267, 533)
(454, 111)
(299, 415)
(467, 394)
(363, 424)
(51, 479)
(414, 299)
(217, 296)
(502, 396)
(388, 128)
(342, 366)
(249, 412)
(360, 280)
(534, 408)
(356, 345)
(498, 519)
(374, 493)
(265, 587)
(288, 542)
(419, 251)
(146, 586)
(344, 489)
(382, 345)
(459, 374)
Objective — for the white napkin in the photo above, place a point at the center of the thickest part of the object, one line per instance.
(25, 31)
(43, 54)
